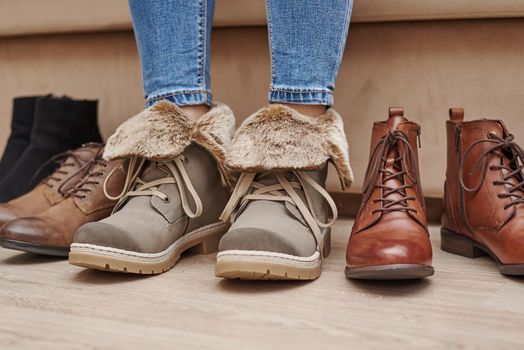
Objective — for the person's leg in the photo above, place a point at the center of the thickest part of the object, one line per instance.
(307, 41)
(175, 151)
(282, 227)
(173, 42)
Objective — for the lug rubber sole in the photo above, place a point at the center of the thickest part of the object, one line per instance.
(201, 241)
(390, 272)
(458, 244)
(34, 248)
(263, 265)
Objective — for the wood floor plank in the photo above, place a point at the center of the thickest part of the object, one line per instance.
(46, 303)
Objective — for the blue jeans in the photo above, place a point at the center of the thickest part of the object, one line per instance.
(306, 40)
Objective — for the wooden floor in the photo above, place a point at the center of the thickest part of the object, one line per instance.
(48, 304)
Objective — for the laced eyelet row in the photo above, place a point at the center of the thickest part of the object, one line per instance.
(404, 166)
(515, 191)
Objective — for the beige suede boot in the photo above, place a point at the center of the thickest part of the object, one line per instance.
(174, 193)
(280, 210)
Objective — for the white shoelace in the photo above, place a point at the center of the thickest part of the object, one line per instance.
(134, 186)
(273, 193)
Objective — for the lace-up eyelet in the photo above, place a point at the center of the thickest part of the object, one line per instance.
(492, 134)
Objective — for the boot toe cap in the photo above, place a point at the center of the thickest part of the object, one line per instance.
(259, 239)
(105, 235)
(6, 215)
(368, 250)
(32, 230)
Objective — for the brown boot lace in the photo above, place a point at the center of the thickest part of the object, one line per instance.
(91, 178)
(504, 148)
(65, 160)
(176, 173)
(403, 165)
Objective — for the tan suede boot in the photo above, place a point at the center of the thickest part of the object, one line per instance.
(74, 165)
(174, 192)
(281, 227)
(51, 232)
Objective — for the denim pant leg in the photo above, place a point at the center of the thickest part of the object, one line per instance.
(307, 40)
(173, 42)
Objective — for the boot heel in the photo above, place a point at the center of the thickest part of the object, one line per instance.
(327, 244)
(208, 246)
(459, 244)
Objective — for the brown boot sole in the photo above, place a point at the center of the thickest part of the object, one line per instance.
(456, 243)
(34, 248)
(262, 265)
(390, 272)
(202, 241)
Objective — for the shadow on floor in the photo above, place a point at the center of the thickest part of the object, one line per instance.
(89, 276)
(243, 286)
(516, 279)
(397, 288)
(32, 259)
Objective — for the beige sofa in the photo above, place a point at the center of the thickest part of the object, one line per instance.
(424, 55)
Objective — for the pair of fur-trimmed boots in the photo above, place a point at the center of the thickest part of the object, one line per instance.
(275, 224)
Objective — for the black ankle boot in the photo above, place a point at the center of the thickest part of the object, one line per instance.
(20, 137)
(60, 124)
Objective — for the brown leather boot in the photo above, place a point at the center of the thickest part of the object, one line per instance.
(390, 238)
(51, 232)
(74, 165)
(484, 193)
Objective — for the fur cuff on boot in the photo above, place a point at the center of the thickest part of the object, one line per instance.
(278, 138)
(162, 132)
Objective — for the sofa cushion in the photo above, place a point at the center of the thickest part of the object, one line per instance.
(30, 17)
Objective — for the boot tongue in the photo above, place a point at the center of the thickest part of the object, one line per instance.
(87, 153)
(151, 172)
(395, 120)
(269, 179)
(318, 176)
(390, 165)
(72, 165)
(501, 129)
